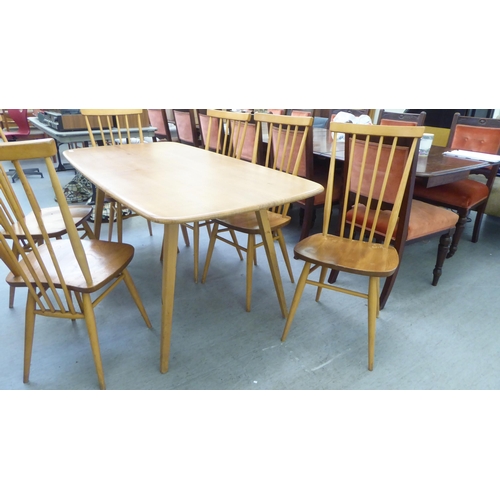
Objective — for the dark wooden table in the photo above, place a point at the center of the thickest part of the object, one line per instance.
(435, 169)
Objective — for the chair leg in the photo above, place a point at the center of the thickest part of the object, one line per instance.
(373, 307)
(459, 229)
(443, 247)
(29, 330)
(281, 240)
(250, 263)
(185, 234)
(150, 227)
(477, 223)
(119, 222)
(135, 295)
(386, 290)
(111, 220)
(307, 220)
(333, 276)
(210, 251)
(196, 249)
(322, 277)
(12, 294)
(299, 290)
(232, 232)
(88, 312)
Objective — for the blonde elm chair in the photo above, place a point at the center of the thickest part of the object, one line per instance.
(377, 171)
(53, 222)
(65, 278)
(287, 138)
(115, 127)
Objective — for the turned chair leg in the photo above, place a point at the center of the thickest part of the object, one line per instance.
(444, 244)
(459, 229)
(477, 223)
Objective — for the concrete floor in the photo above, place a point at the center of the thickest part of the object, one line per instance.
(444, 337)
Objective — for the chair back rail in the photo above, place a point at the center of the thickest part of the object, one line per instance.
(118, 123)
(378, 166)
(288, 137)
(224, 132)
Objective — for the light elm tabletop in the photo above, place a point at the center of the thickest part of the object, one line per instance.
(171, 183)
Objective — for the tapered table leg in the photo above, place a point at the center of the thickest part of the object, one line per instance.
(170, 237)
(267, 238)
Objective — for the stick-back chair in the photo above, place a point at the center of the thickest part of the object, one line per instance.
(377, 172)
(53, 221)
(287, 138)
(421, 221)
(230, 142)
(60, 275)
(470, 134)
(115, 127)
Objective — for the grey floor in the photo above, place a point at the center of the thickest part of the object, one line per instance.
(444, 337)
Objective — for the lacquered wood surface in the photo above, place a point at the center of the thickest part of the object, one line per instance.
(434, 170)
(168, 182)
(437, 169)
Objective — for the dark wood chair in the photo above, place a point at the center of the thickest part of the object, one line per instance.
(158, 118)
(286, 144)
(378, 171)
(65, 278)
(470, 134)
(410, 119)
(187, 130)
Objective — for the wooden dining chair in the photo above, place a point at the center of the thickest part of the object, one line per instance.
(187, 130)
(65, 278)
(53, 221)
(115, 127)
(393, 118)
(470, 134)
(158, 118)
(378, 166)
(230, 142)
(421, 220)
(287, 137)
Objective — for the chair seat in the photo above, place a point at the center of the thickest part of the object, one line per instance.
(358, 257)
(53, 220)
(106, 260)
(425, 219)
(247, 222)
(466, 193)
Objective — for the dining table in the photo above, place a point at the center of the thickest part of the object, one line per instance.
(171, 183)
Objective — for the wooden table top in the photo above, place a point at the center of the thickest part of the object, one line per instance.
(169, 182)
